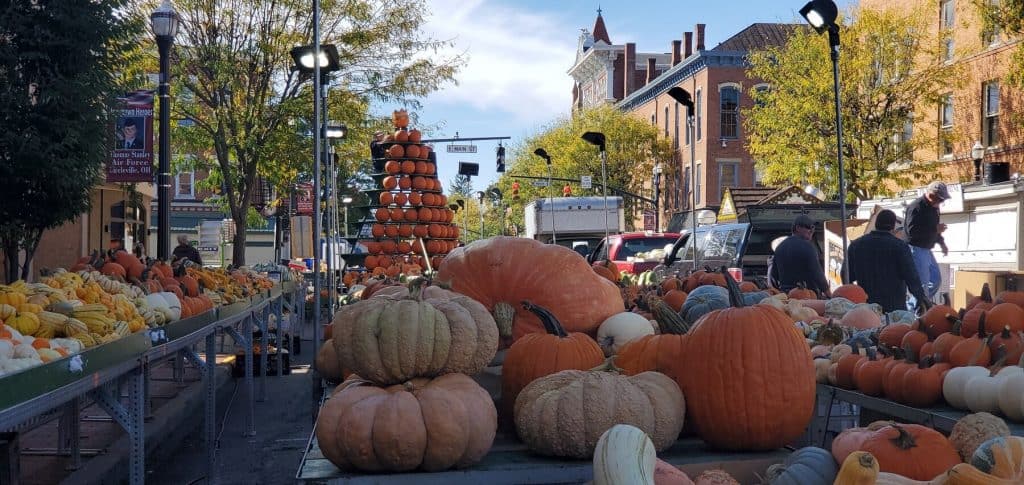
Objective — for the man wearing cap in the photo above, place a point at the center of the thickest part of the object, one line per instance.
(881, 264)
(924, 230)
(796, 260)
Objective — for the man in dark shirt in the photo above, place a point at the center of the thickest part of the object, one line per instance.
(881, 264)
(924, 231)
(796, 260)
(186, 251)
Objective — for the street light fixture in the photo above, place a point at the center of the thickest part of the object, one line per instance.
(597, 138)
(304, 56)
(335, 131)
(683, 97)
(540, 152)
(977, 153)
(822, 15)
(164, 21)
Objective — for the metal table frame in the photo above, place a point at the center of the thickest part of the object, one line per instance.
(104, 387)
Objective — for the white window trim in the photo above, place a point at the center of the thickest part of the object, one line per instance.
(730, 84)
(985, 115)
(722, 161)
(177, 188)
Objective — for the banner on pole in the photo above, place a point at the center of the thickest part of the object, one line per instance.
(131, 160)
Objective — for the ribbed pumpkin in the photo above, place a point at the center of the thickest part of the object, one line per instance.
(624, 454)
(388, 341)
(748, 376)
(512, 269)
(599, 399)
(1005, 315)
(911, 450)
(806, 466)
(659, 352)
(703, 300)
(427, 424)
(1002, 457)
(540, 354)
(852, 292)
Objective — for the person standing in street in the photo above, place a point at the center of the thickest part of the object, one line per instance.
(796, 260)
(186, 251)
(881, 264)
(924, 231)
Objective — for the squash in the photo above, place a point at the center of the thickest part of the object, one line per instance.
(954, 385)
(852, 292)
(624, 454)
(173, 304)
(1001, 456)
(860, 468)
(600, 398)
(666, 474)
(972, 430)
(1011, 394)
(885, 478)
(911, 450)
(861, 317)
(427, 424)
(540, 354)
(806, 466)
(508, 270)
(965, 474)
(982, 392)
(620, 329)
(327, 363)
(703, 300)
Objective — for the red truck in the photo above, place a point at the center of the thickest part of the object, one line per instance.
(624, 249)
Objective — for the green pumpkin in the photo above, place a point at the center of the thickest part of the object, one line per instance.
(703, 300)
(754, 297)
(806, 466)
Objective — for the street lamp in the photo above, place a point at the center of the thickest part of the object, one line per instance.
(540, 152)
(164, 21)
(977, 153)
(657, 196)
(683, 97)
(335, 131)
(597, 138)
(346, 200)
(822, 15)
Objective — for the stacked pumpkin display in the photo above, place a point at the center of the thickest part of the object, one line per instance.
(410, 403)
(410, 211)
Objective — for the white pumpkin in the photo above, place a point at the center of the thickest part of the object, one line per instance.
(624, 454)
(25, 351)
(173, 304)
(982, 393)
(621, 328)
(1011, 397)
(954, 385)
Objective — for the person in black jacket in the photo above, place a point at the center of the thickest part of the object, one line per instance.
(924, 231)
(796, 260)
(377, 152)
(186, 251)
(881, 264)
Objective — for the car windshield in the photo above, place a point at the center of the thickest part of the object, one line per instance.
(631, 247)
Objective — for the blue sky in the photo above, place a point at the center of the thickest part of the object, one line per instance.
(519, 51)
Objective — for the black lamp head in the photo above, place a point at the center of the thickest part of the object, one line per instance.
(595, 138)
(681, 96)
(820, 14)
(540, 152)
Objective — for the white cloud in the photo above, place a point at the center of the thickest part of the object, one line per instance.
(517, 59)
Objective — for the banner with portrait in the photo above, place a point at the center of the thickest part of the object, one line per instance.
(131, 159)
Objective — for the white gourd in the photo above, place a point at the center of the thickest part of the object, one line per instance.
(25, 351)
(954, 386)
(624, 455)
(982, 393)
(620, 329)
(6, 349)
(173, 304)
(1011, 397)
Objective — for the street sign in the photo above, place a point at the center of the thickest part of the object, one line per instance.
(207, 248)
(540, 183)
(461, 148)
(585, 181)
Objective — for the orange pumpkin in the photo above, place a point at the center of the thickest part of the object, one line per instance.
(911, 450)
(412, 151)
(852, 292)
(114, 270)
(405, 230)
(421, 167)
(377, 230)
(408, 167)
(390, 182)
(400, 118)
(1005, 315)
(415, 199)
(420, 230)
(396, 151)
(405, 183)
(401, 198)
(391, 231)
(401, 136)
(392, 167)
(984, 299)
(385, 198)
(411, 215)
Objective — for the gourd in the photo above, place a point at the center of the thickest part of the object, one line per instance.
(861, 317)
(427, 424)
(852, 292)
(965, 474)
(859, 468)
(600, 398)
(620, 329)
(1001, 456)
(715, 477)
(982, 392)
(624, 454)
(173, 305)
(972, 430)
(885, 478)
(703, 300)
(806, 466)
(1011, 394)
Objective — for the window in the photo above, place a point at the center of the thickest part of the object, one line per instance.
(184, 187)
(901, 140)
(946, 126)
(948, 50)
(990, 111)
(947, 13)
(730, 112)
(990, 33)
(760, 95)
(654, 120)
(700, 114)
(675, 135)
(686, 189)
(758, 176)
(696, 185)
(686, 129)
(666, 122)
(675, 190)
(728, 176)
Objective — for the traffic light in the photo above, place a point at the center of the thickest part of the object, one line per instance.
(566, 191)
(501, 158)
(515, 190)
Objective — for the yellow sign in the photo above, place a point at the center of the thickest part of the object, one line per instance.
(727, 213)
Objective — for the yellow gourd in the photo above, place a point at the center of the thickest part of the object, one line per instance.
(26, 323)
(13, 298)
(29, 308)
(894, 479)
(859, 468)
(7, 311)
(965, 474)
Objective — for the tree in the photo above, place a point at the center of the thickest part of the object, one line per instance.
(57, 67)
(792, 124)
(1006, 17)
(461, 186)
(252, 114)
(633, 145)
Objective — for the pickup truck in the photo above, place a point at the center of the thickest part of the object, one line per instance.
(634, 252)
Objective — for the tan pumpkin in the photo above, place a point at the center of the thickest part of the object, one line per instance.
(599, 399)
(427, 424)
(327, 363)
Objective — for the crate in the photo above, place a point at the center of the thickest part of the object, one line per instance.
(844, 416)
(238, 370)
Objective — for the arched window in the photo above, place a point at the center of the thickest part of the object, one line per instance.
(729, 112)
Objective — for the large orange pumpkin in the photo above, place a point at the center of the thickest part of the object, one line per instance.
(852, 292)
(748, 377)
(911, 450)
(511, 269)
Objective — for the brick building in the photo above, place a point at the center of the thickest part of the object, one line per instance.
(637, 82)
(985, 108)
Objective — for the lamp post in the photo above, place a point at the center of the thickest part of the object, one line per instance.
(540, 152)
(822, 15)
(164, 21)
(597, 138)
(657, 197)
(977, 153)
(683, 97)
(347, 200)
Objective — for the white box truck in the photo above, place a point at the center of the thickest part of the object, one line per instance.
(574, 221)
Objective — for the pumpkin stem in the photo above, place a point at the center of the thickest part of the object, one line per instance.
(908, 354)
(957, 323)
(866, 460)
(504, 316)
(981, 325)
(735, 295)
(1000, 361)
(986, 293)
(608, 366)
(551, 324)
(416, 286)
(667, 318)
(904, 440)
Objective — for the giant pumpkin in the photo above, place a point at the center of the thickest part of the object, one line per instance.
(503, 271)
(748, 377)
(427, 424)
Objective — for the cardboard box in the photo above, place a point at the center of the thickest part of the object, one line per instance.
(967, 284)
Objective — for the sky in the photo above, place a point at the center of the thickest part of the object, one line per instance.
(519, 51)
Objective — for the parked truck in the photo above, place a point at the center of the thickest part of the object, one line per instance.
(574, 222)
